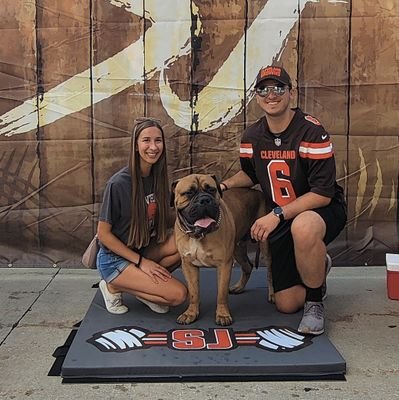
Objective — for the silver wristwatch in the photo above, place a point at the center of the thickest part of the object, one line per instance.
(278, 212)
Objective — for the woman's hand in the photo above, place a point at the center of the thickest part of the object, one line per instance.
(154, 270)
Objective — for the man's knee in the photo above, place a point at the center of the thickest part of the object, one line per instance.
(287, 306)
(307, 228)
(290, 300)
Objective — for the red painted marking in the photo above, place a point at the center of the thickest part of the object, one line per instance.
(247, 342)
(223, 340)
(188, 339)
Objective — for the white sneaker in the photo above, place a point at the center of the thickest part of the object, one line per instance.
(158, 308)
(113, 301)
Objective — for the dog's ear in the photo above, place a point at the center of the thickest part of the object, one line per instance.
(172, 192)
(218, 185)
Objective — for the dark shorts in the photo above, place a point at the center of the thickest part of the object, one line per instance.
(281, 245)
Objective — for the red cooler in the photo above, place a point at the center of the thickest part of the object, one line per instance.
(393, 276)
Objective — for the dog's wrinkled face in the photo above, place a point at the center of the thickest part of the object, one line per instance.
(196, 199)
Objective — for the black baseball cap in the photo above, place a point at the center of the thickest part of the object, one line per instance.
(275, 73)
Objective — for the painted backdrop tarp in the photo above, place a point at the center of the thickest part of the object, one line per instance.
(75, 73)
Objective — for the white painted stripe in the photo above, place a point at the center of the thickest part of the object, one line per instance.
(293, 334)
(267, 344)
(247, 338)
(106, 343)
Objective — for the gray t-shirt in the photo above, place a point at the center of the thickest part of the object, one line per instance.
(116, 205)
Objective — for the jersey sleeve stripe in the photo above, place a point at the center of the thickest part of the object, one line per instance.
(316, 151)
(310, 150)
(326, 144)
(246, 150)
(315, 156)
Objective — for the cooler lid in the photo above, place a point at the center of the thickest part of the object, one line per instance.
(392, 261)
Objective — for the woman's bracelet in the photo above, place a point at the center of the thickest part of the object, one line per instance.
(225, 186)
(139, 261)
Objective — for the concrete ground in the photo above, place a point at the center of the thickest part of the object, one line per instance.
(38, 308)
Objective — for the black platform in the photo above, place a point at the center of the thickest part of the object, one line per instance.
(262, 344)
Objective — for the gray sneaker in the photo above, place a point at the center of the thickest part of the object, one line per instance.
(113, 301)
(328, 268)
(312, 322)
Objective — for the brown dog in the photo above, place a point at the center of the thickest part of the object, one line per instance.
(208, 231)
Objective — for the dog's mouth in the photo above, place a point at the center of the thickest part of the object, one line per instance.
(200, 227)
(204, 222)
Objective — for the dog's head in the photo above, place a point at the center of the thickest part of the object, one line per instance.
(196, 198)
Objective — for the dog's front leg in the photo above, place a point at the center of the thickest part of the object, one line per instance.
(223, 316)
(191, 274)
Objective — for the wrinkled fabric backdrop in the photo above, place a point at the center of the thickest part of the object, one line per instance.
(75, 73)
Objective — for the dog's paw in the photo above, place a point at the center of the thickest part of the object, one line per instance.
(236, 289)
(224, 320)
(223, 316)
(187, 318)
(239, 286)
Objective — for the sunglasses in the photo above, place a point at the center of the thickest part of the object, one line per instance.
(266, 90)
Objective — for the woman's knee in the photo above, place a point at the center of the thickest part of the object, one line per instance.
(178, 295)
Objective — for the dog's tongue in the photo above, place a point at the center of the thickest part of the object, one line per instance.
(204, 222)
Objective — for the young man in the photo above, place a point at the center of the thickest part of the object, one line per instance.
(290, 155)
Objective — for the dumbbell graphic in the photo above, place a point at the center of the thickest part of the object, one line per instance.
(127, 338)
(119, 339)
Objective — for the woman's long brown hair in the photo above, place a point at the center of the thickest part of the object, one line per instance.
(139, 235)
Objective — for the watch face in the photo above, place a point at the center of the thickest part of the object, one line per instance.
(278, 211)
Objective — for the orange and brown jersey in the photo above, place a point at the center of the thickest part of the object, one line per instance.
(288, 165)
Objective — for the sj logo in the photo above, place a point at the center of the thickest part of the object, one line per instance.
(197, 339)
(127, 338)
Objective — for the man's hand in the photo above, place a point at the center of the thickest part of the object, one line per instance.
(263, 227)
(154, 270)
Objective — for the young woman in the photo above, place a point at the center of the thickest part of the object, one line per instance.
(136, 249)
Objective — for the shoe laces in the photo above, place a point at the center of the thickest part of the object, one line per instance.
(116, 301)
(316, 309)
